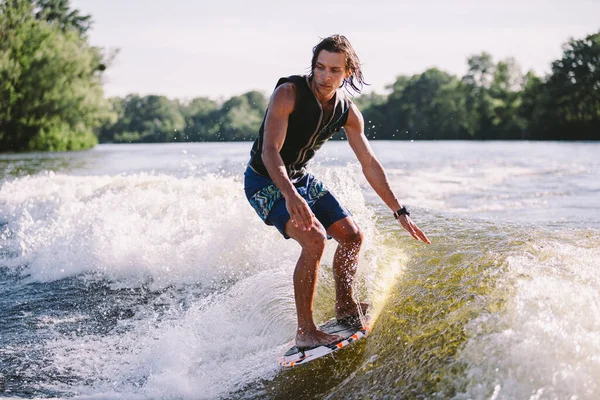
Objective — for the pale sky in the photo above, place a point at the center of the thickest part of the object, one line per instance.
(185, 48)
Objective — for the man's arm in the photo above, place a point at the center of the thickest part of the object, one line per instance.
(373, 170)
(281, 105)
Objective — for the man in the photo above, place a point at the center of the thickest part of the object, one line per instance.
(303, 113)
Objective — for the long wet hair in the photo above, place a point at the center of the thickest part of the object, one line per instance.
(340, 44)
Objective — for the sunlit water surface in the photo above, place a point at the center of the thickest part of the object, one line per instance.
(140, 271)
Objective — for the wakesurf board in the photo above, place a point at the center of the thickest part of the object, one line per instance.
(350, 329)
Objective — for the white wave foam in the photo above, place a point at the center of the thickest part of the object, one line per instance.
(135, 227)
(144, 227)
(545, 343)
(171, 231)
(221, 344)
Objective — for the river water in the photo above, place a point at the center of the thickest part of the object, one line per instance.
(140, 271)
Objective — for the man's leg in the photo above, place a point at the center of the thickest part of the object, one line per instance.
(305, 282)
(345, 263)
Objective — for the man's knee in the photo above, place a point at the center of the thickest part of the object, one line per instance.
(314, 241)
(352, 237)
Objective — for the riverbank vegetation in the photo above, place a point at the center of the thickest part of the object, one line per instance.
(51, 95)
(494, 100)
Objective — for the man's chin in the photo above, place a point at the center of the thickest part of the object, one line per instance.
(326, 90)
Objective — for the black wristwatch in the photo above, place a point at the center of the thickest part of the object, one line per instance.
(402, 211)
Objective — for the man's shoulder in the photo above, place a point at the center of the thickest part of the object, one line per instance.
(284, 98)
(355, 117)
(297, 79)
(294, 88)
(298, 82)
(286, 90)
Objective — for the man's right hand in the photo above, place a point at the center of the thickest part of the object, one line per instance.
(300, 213)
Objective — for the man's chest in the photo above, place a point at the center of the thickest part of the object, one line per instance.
(327, 114)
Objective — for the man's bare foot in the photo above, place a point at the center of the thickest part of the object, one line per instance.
(350, 310)
(316, 338)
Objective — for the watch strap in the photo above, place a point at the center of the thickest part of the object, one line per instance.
(400, 212)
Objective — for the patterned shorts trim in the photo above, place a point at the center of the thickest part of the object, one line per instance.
(264, 200)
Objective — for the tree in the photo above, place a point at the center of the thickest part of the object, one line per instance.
(491, 101)
(51, 96)
(425, 106)
(158, 119)
(505, 94)
(477, 82)
(200, 118)
(366, 101)
(566, 105)
(59, 12)
(146, 119)
(382, 119)
(534, 107)
(240, 117)
(574, 87)
(481, 71)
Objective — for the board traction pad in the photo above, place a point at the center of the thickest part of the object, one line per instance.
(350, 333)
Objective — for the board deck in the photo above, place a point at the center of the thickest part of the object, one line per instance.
(351, 332)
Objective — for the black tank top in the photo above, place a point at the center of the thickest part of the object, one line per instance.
(306, 131)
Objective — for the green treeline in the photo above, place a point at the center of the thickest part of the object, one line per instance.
(159, 119)
(51, 96)
(493, 100)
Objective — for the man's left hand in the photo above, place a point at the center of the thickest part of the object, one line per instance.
(413, 229)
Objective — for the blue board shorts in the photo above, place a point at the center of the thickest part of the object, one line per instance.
(269, 203)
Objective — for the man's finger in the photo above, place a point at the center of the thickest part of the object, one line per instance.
(409, 228)
(414, 234)
(306, 218)
(298, 218)
(423, 237)
(414, 230)
(306, 225)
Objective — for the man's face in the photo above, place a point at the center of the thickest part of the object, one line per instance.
(330, 71)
